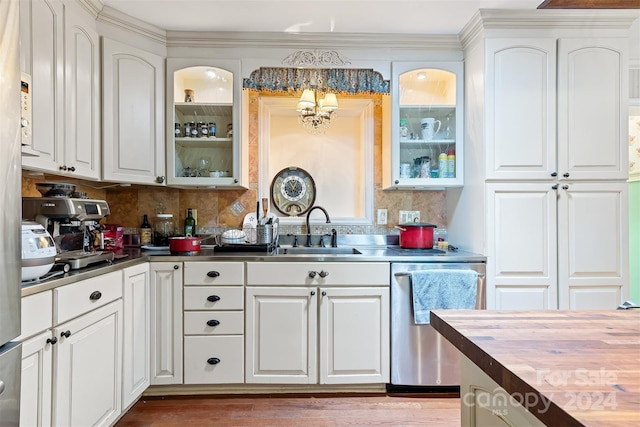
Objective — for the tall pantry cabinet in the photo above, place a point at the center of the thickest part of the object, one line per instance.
(546, 112)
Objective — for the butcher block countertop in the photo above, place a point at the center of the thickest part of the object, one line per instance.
(586, 363)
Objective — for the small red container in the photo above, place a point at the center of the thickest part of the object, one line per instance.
(113, 236)
(416, 235)
(184, 244)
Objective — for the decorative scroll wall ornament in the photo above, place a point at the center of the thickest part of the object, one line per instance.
(316, 58)
(344, 80)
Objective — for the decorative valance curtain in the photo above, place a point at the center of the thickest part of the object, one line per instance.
(353, 81)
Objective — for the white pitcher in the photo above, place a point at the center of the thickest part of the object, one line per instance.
(427, 124)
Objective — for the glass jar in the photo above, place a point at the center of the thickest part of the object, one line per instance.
(178, 130)
(194, 130)
(212, 129)
(163, 229)
(203, 130)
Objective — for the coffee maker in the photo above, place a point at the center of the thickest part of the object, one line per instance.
(70, 222)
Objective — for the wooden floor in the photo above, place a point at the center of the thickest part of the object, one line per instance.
(306, 411)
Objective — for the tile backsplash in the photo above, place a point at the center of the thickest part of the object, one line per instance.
(218, 209)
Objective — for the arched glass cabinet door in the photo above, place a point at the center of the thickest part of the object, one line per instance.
(203, 121)
(427, 126)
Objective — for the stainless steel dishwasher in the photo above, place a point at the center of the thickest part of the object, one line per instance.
(420, 357)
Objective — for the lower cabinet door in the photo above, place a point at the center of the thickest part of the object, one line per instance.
(214, 359)
(87, 372)
(354, 335)
(281, 335)
(35, 385)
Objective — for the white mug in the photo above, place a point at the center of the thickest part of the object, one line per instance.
(427, 124)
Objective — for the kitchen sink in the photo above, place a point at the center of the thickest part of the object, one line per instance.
(301, 250)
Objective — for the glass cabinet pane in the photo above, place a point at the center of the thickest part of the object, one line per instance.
(203, 123)
(427, 126)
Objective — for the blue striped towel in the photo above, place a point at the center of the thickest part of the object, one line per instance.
(442, 288)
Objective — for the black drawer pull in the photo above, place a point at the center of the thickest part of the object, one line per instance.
(213, 298)
(65, 334)
(213, 361)
(96, 295)
(213, 274)
(213, 322)
(52, 340)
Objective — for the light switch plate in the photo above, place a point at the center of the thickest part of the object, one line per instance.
(409, 216)
(382, 216)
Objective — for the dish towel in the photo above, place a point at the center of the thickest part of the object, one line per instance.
(442, 288)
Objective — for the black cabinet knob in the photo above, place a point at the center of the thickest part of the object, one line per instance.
(565, 187)
(324, 274)
(175, 267)
(397, 182)
(312, 274)
(52, 340)
(63, 168)
(95, 296)
(65, 334)
(213, 361)
(313, 293)
(554, 174)
(324, 294)
(213, 274)
(213, 322)
(554, 187)
(160, 179)
(72, 169)
(213, 298)
(566, 174)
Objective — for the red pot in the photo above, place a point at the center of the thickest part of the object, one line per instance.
(184, 244)
(416, 235)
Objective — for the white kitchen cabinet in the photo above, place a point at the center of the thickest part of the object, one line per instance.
(203, 99)
(133, 114)
(332, 328)
(593, 242)
(214, 323)
(38, 344)
(427, 120)
(87, 369)
(36, 380)
(547, 135)
(488, 404)
(41, 55)
(136, 347)
(166, 322)
(528, 138)
(547, 245)
(60, 49)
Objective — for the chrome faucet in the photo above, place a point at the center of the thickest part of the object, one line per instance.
(326, 214)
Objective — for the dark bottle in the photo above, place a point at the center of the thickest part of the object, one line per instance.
(189, 224)
(145, 231)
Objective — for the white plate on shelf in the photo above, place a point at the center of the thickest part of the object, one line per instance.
(154, 248)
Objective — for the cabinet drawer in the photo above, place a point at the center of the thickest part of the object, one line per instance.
(214, 273)
(214, 360)
(75, 299)
(37, 313)
(229, 322)
(298, 273)
(228, 298)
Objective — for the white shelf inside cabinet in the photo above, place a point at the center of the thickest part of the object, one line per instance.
(202, 108)
(203, 142)
(420, 143)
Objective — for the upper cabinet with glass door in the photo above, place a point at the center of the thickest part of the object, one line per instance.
(203, 121)
(427, 126)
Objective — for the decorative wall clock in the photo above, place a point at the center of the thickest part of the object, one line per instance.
(293, 191)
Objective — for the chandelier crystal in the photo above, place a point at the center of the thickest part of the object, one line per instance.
(316, 113)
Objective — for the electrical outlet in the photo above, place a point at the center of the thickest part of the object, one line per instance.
(382, 216)
(407, 217)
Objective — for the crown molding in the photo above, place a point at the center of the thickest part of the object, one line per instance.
(114, 17)
(220, 39)
(92, 6)
(546, 19)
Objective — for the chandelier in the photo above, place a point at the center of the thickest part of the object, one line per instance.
(316, 113)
